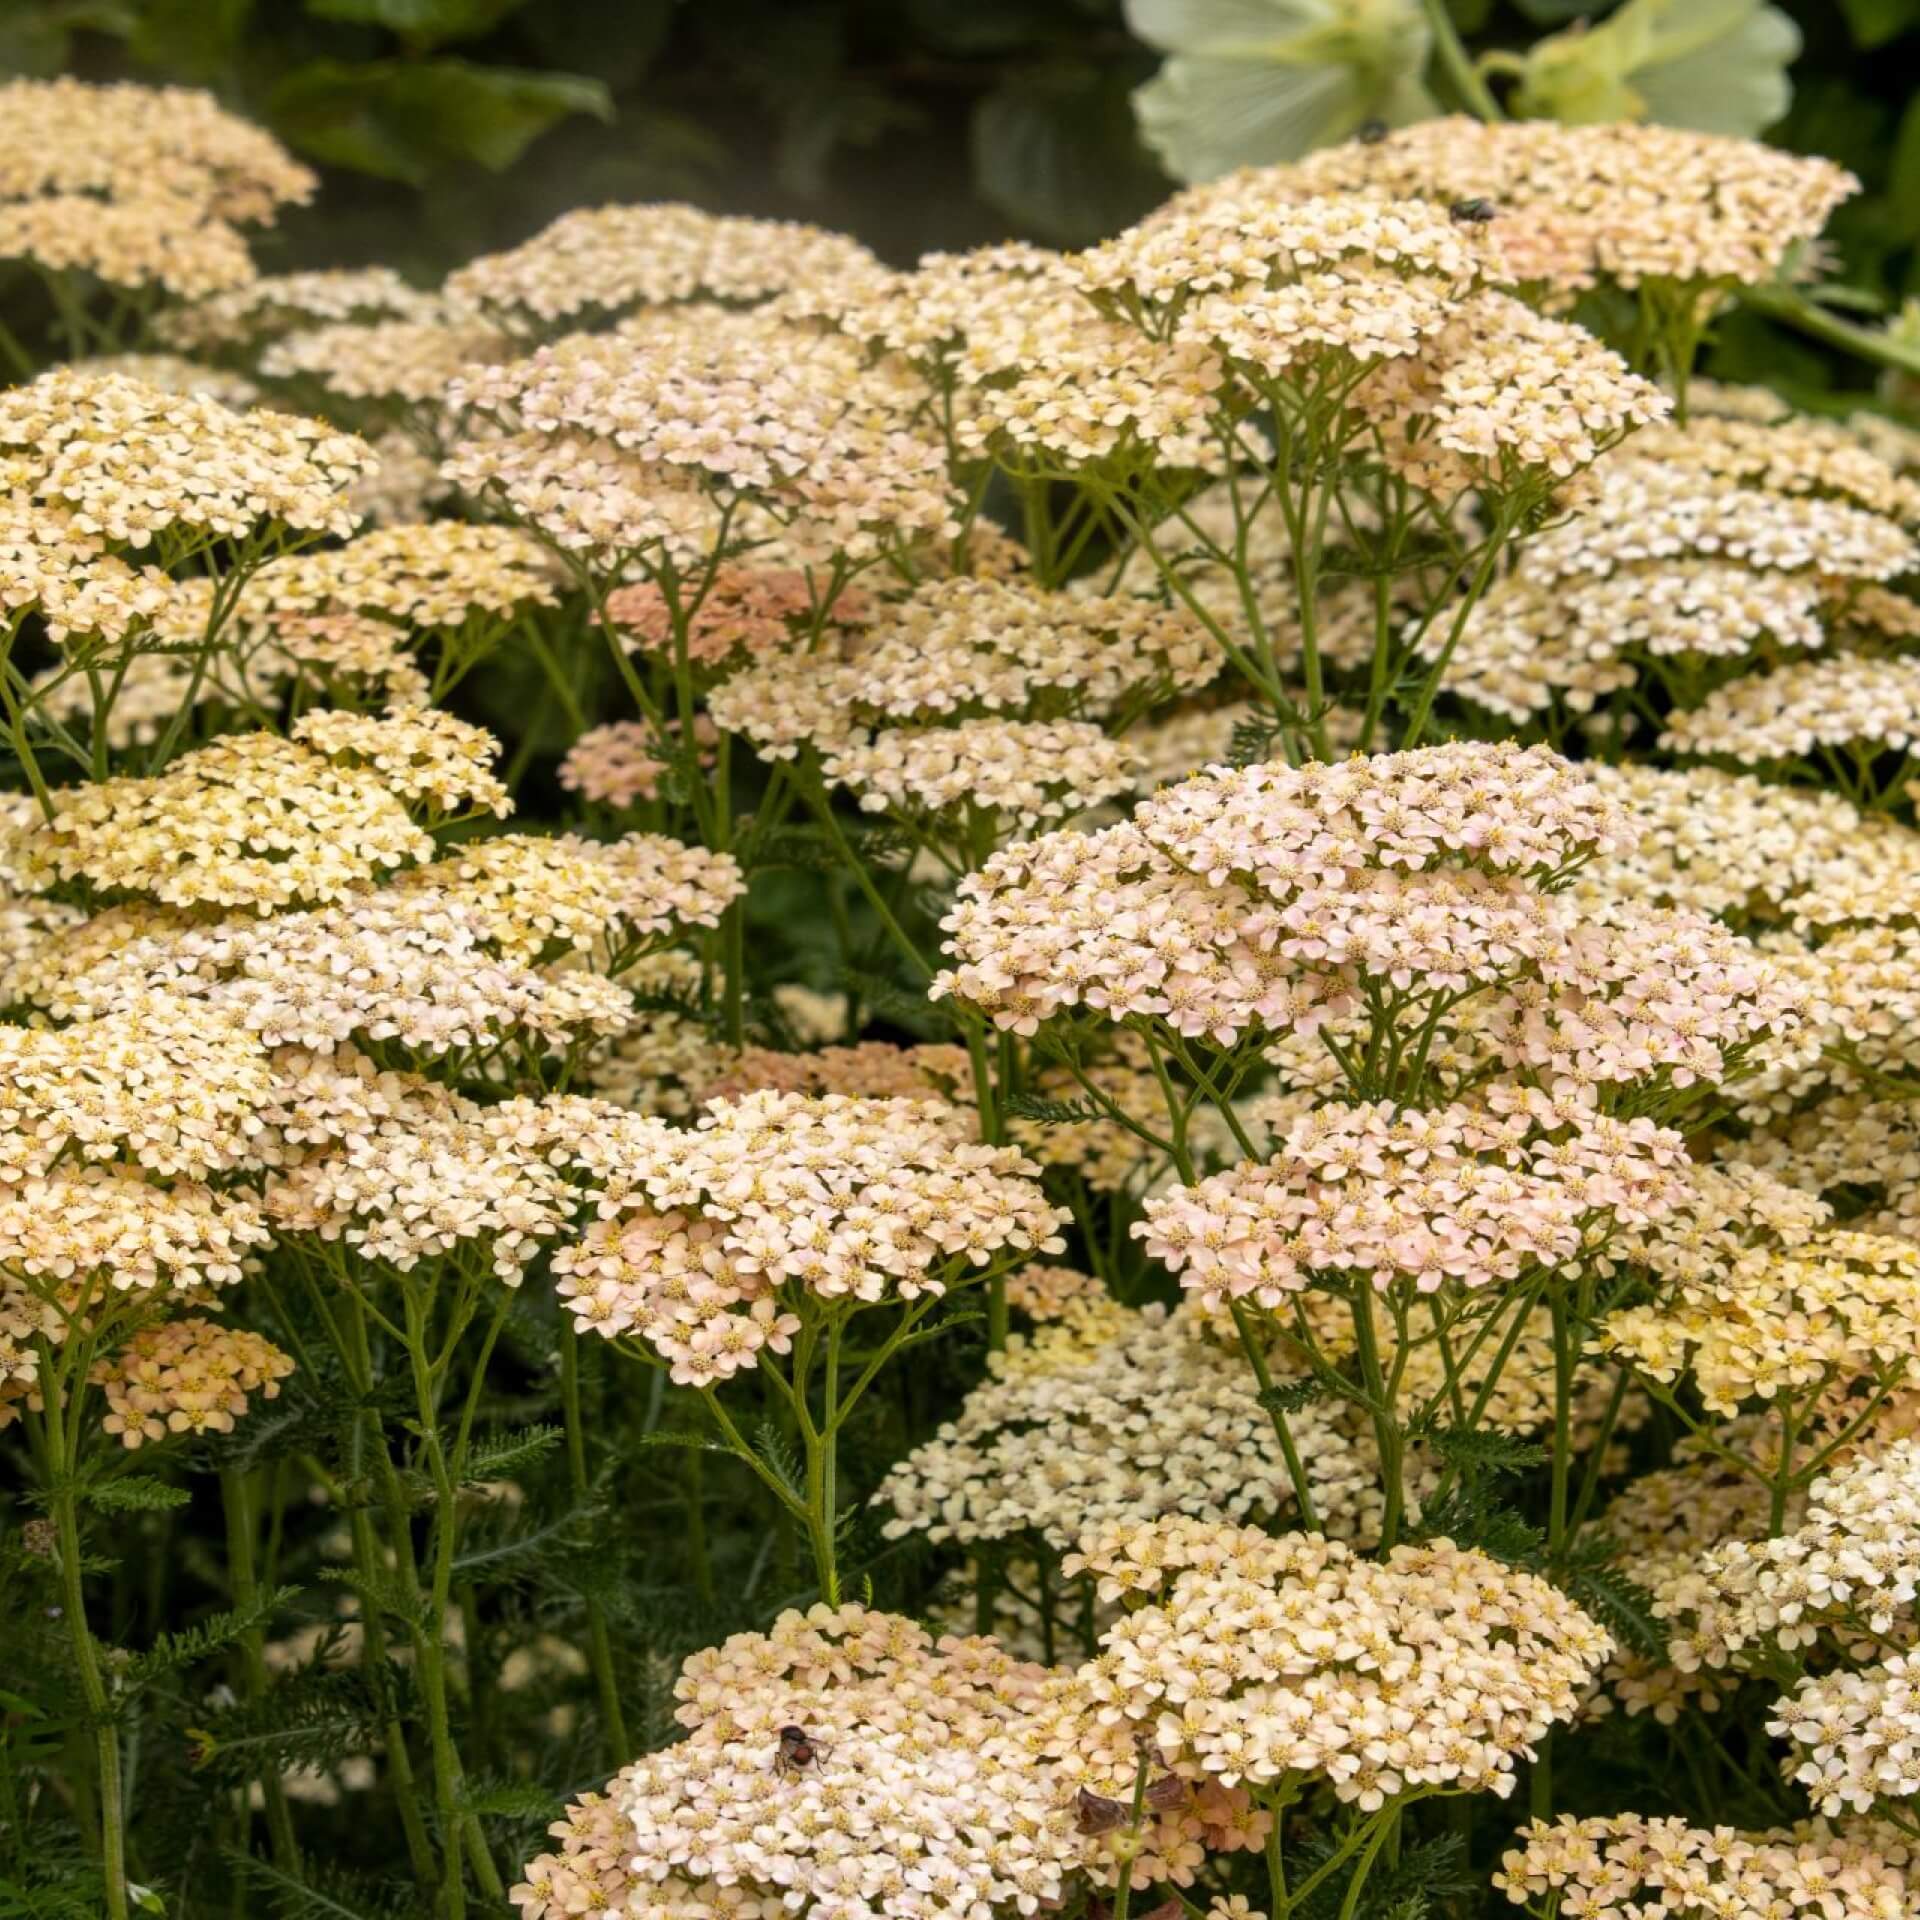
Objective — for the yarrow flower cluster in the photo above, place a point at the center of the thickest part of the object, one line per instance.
(186, 1376)
(1262, 1660)
(911, 1799)
(712, 1237)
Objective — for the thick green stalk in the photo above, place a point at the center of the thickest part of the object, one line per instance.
(1458, 65)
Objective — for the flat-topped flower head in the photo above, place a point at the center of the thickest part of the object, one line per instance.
(597, 263)
(708, 1239)
(1260, 1660)
(1628, 202)
(280, 303)
(190, 1376)
(1848, 702)
(745, 611)
(127, 463)
(410, 363)
(1630, 1864)
(1856, 1735)
(843, 1759)
(1387, 1197)
(434, 761)
(1108, 1416)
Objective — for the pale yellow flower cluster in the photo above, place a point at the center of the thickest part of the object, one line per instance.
(1108, 1416)
(93, 462)
(598, 263)
(1780, 1323)
(1849, 705)
(431, 574)
(1854, 1142)
(710, 1237)
(1261, 1660)
(1626, 202)
(425, 755)
(1630, 1865)
(186, 1376)
(144, 187)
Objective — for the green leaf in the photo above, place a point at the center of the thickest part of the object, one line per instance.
(1055, 150)
(499, 1456)
(319, 1892)
(1291, 1397)
(171, 1651)
(135, 1493)
(1480, 1450)
(195, 39)
(1875, 22)
(1903, 175)
(1051, 1113)
(617, 40)
(423, 23)
(508, 1800)
(37, 43)
(406, 120)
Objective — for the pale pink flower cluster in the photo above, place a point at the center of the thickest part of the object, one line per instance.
(186, 1376)
(1258, 895)
(1110, 1416)
(1455, 1195)
(1628, 1866)
(1261, 1659)
(709, 1239)
(619, 765)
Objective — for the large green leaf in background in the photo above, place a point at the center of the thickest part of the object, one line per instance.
(422, 23)
(406, 119)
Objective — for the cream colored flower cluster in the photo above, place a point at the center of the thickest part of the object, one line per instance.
(835, 1198)
(1854, 1559)
(124, 462)
(1631, 1865)
(1780, 1323)
(1108, 1416)
(1453, 1195)
(411, 362)
(433, 574)
(280, 303)
(140, 186)
(536, 896)
(912, 1802)
(744, 610)
(428, 757)
(173, 374)
(1858, 1734)
(410, 1172)
(676, 420)
(186, 1376)
(600, 262)
(1850, 704)
(1852, 1142)
(1261, 1660)
(1256, 896)
(250, 821)
(1628, 202)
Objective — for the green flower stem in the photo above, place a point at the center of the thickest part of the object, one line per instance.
(243, 1583)
(1380, 1404)
(1794, 309)
(613, 1724)
(63, 1373)
(1123, 1894)
(1458, 65)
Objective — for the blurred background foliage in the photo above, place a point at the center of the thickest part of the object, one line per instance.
(444, 128)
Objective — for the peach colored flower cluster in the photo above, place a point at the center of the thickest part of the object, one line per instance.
(1629, 1865)
(708, 1237)
(619, 765)
(186, 1376)
(745, 610)
(1261, 1660)
(1109, 1416)
(1453, 1195)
